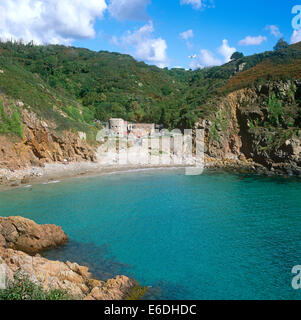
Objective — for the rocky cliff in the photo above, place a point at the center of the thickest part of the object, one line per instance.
(41, 143)
(17, 233)
(261, 123)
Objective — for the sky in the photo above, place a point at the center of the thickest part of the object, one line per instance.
(167, 33)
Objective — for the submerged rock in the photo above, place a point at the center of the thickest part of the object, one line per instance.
(26, 235)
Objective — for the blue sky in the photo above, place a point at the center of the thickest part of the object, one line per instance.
(233, 20)
(164, 33)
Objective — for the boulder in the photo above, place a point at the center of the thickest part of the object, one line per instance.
(26, 235)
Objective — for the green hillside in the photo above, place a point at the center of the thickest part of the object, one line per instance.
(103, 84)
(215, 82)
(74, 86)
(60, 107)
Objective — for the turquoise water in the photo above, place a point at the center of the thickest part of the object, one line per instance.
(215, 236)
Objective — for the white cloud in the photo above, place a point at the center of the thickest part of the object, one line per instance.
(114, 41)
(206, 58)
(146, 46)
(274, 30)
(196, 4)
(296, 36)
(50, 21)
(186, 35)
(129, 9)
(252, 41)
(226, 51)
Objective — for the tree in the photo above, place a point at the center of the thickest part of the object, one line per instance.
(281, 44)
(237, 55)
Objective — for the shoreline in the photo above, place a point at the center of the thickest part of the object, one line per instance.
(56, 172)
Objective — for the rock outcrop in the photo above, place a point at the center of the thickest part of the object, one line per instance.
(241, 129)
(23, 234)
(113, 289)
(71, 277)
(20, 236)
(41, 144)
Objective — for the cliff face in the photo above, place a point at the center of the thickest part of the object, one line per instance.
(252, 125)
(41, 144)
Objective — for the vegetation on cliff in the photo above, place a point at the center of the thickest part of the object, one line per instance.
(89, 85)
(18, 84)
(281, 64)
(73, 87)
(10, 124)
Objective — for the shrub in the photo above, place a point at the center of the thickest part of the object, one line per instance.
(275, 110)
(219, 124)
(24, 289)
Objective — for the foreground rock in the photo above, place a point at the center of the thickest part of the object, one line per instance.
(22, 234)
(20, 237)
(73, 278)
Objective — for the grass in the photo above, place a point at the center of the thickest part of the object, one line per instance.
(12, 124)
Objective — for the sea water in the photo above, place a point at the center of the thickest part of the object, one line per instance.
(213, 236)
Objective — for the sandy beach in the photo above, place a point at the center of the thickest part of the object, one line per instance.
(58, 172)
